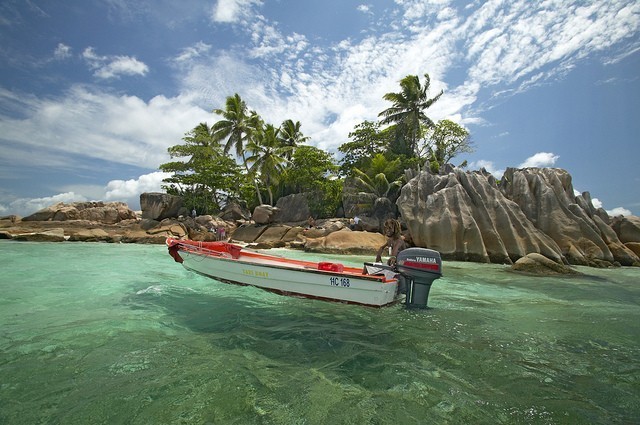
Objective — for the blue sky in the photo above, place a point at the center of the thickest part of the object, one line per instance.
(93, 92)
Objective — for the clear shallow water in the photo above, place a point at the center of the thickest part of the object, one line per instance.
(107, 333)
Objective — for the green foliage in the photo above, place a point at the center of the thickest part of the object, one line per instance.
(444, 142)
(327, 204)
(268, 156)
(312, 170)
(205, 175)
(368, 141)
(276, 161)
(378, 184)
(309, 168)
(291, 136)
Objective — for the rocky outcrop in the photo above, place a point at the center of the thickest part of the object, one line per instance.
(546, 197)
(101, 212)
(158, 206)
(465, 217)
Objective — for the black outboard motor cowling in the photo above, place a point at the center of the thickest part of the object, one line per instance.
(420, 267)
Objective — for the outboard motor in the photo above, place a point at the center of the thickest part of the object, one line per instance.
(420, 267)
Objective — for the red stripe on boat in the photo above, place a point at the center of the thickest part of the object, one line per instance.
(419, 265)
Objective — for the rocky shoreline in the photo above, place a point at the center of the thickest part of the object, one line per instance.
(465, 215)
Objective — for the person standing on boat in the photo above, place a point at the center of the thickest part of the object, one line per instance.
(394, 243)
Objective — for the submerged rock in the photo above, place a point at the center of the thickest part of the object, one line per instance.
(540, 265)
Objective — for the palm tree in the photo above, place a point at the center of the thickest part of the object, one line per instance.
(237, 127)
(290, 135)
(407, 112)
(268, 156)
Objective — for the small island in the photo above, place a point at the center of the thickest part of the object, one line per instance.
(266, 194)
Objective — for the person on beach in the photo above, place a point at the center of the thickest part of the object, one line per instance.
(394, 243)
(311, 222)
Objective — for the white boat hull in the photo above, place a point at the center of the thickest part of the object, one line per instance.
(292, 277)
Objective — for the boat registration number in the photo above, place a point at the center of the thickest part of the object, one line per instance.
(339, 281)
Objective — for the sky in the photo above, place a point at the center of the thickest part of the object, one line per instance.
(92, 93)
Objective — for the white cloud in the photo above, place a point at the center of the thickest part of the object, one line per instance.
(619, 211)
(129, 190)
(107, 67)
(62, 51)
(93, 124)
(122, 65)
(364, 8)
(541, 160)
(508, 45)
(25, 207)
(232, 10)
(190, 53)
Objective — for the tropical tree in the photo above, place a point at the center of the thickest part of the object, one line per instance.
(237, 127)
(268, 156)
(407, 114)
(205, 175)
(312, 170)
(290, 135)
(444, 142)
(367, 141)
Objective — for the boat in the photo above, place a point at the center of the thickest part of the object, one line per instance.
(374, 284)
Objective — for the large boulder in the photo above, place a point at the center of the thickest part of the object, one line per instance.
(248, 233)
(347, 242)
(273, 236)
(234, 211)
(264, 214)
(158, 206)
(465, 217)
(627, 228)
(292, 208)
(546, 197)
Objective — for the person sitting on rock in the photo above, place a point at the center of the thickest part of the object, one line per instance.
(311, 222)
(395, 243)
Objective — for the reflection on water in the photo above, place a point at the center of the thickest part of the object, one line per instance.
(96, 333)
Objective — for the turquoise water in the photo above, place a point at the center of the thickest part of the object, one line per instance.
(120, 334)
